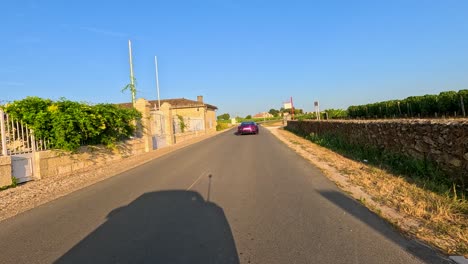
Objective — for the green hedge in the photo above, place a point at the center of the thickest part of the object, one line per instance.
(68, 125)
(446, 103)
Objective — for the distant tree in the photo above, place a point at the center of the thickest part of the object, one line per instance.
(297, 111)
(274, 112)
(225, 116)
(248, 117)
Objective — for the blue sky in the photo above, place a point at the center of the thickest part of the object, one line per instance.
(243, 56)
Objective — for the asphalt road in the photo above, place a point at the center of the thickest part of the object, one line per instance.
(262, 204)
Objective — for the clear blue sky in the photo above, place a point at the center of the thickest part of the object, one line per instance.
(243, 56)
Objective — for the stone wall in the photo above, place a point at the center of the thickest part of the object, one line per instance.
(53, 163)
(444, 142)
(211, 120)
(181, 137)
(5, 171)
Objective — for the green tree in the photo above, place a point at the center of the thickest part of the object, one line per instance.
(274, 112)
(248, 117)
(225, 116)
(298, 111)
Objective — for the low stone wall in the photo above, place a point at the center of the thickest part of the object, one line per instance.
(56, 163)
(5, 171)
(181, 137)
(444, 142)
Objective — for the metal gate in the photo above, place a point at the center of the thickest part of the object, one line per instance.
(17, 141)
(158, 129)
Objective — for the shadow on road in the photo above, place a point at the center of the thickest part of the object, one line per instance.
(160, 227)
(360, 212)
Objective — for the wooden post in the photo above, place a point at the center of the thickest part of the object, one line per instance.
(2, 133)
(399, 109)
(462, 106)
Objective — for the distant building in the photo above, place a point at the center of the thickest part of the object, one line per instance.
(197, 114)
(263, 115)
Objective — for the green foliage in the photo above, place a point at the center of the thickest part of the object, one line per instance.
(222, 126)
(132, 88)
(225, 116)
(182, 123)
(297, 111)
(248, 117)
(329, 113)
(446, 103)
(258, 119)
(463, 94)
(308, 116)
(336, 113)
(14, 183)
(68, 125)
(274, 112)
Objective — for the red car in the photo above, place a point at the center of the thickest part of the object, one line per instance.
(247, 128)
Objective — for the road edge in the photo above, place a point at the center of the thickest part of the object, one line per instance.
(27, 196)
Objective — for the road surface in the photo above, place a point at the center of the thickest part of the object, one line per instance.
(262, 204)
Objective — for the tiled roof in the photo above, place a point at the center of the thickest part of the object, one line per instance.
(175, 103)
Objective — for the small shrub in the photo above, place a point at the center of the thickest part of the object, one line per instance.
(222, 126)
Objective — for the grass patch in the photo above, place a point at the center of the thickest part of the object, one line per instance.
(14, 183)
(424, 173)
(295, 142)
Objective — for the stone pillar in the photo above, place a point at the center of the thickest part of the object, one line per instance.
(143, 107)
(169, 129)
(5, 171)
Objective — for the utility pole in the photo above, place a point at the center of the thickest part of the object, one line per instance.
(132, 81)
(157, 81)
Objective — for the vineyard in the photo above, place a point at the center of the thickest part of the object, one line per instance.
(445, 104)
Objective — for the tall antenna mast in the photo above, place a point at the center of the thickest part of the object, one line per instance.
(132, 83)
(157, 81)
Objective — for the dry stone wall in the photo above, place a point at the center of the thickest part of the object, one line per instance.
(444, 142)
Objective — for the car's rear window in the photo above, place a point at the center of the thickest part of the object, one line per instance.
(247, 123)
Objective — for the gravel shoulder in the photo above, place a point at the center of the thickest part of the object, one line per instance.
(29, 195)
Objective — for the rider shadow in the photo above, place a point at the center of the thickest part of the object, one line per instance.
(160, 227)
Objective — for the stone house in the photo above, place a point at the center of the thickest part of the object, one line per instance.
(188, 110)
(176, 119)
(263, 115)
(191, 111)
